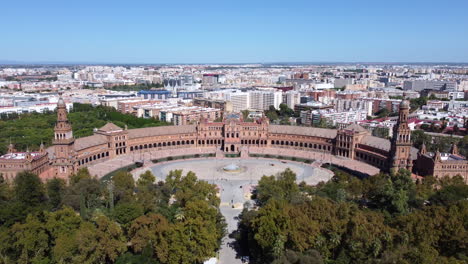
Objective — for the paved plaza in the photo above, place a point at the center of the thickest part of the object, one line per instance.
(235, 187)
(251, 169)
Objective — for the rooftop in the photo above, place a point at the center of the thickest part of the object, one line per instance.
(162, 130)
(110, 127)
(19, 155)
(306, 131)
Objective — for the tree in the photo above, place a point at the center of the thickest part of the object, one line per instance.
(84, 196)
(196, 237)
(392, 192)
(83, 173)
(148, 195)
(419, 137)
(55, 191)
(124, 213)
(124, 186)
(271, 113)
(384, 112)
(5, 190)
(101, 242)
(293, 257)
(418, 102)
(146, 179)
(129, 258)
(150, 231)
(28, 189)
(285, 111)
(282, 186)
(452, 191)
(30, 241)
(443, 233)
(271, 227)
(62, 222)
(245, 115)
(382, 132)
(189, 188)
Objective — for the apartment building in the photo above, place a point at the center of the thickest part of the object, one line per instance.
(240, 100)
(262, 100)
(292, 98)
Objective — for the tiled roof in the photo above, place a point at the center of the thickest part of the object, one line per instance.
(356, 127)
(162, 130)
(86, 142)
(376, 142)
(384, 144)
(109, 127)
(305, 131)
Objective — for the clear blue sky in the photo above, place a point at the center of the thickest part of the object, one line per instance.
(234, 31)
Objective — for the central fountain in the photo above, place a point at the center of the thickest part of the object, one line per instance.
(232, 168)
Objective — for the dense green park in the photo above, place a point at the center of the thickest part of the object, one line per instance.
(29, 130)
(88, 221)
(383, 219)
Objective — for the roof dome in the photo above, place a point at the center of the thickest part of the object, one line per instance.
(404, 104)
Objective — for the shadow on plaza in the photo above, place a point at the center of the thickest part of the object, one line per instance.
(241, 252)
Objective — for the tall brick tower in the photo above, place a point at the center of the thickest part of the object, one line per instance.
(400, 152)
(63, 160)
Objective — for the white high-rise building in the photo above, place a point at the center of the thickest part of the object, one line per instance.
(240, 100)
(262, 100)
(292, 98)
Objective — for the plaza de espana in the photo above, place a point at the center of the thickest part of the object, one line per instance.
(231, 136)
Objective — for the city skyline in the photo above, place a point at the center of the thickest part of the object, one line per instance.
(242, 32)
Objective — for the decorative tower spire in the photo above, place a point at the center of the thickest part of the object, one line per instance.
(454, 149)
(11, 147)
(437, 156)
(423, 150)
(64, 154)
(63, 129)
(400, 151)
(41, 147)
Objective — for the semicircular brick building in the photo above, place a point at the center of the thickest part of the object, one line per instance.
(235, 136)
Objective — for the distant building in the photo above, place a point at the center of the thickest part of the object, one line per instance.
(313, 105)
(212, 79)
(292, 98)
(419, 85)
(240, 100)
(189, 94)
(225, 106)
(341, 105)
(127, 106)
(37, 108)
(332, 117)
(154, 94)
(436, 93)
(189, 117)
(342, 83)
(262, 100)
